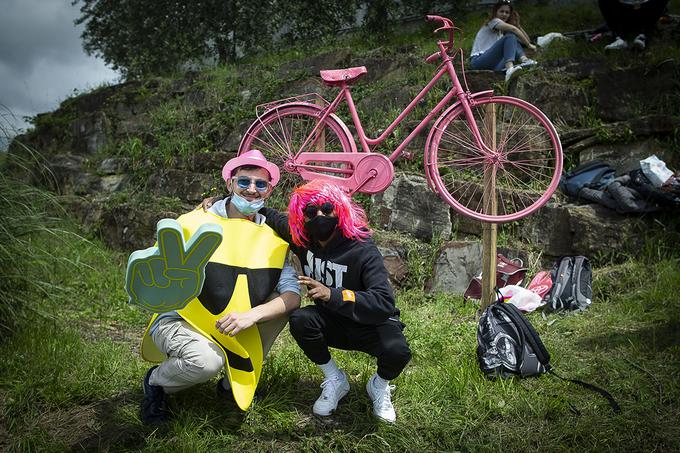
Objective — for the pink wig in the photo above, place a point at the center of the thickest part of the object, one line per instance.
(352, 221)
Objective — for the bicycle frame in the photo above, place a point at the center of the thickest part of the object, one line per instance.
(464, 98)
(478, 177)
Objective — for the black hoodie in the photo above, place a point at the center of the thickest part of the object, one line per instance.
(352, 269)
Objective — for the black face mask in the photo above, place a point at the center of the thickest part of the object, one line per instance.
(321, 227)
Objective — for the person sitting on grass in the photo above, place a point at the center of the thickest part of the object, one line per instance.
(632, 20)
(498, 44)
(354, 306)
(191, 357)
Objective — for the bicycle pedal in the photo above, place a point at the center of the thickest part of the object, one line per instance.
(407, 155)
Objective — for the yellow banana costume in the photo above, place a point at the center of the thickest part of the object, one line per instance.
(240, 274)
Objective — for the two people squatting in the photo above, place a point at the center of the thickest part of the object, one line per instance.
(353, 302)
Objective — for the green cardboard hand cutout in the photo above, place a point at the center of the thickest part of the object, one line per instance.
(171, 274)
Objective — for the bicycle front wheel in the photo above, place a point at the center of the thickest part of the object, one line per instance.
(282, 133)
(514, 174)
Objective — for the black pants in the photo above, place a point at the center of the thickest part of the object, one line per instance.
(315, 330)
(627, 21)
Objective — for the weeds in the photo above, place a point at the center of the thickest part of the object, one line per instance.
(77, 384)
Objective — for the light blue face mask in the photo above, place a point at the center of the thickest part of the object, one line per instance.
(244, 206)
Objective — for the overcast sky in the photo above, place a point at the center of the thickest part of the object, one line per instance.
(42, 60)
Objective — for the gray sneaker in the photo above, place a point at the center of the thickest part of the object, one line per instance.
(640, 42)
(333, 390)
(618, 44)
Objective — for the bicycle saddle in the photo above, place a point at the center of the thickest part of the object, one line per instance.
(336, 77)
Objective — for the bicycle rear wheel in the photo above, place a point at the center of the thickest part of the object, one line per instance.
(285, 131)
(519, 171)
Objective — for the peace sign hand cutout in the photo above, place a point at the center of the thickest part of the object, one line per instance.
(169, 275)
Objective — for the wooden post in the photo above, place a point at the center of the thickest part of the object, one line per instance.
(489, 230)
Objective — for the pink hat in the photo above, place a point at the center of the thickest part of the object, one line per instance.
(255, 158)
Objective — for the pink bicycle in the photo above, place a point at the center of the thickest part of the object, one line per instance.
(492, 158)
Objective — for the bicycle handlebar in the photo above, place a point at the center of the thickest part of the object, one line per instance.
(448, 25)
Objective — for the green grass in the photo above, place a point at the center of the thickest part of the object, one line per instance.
(71, 378)
(71, 374)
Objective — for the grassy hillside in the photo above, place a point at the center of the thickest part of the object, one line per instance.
(71, 375)
(71, 378)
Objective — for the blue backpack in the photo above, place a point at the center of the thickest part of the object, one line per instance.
(591, 175)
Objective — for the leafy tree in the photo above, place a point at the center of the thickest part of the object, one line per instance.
(309, 20)
(155, 37)
(145, 37)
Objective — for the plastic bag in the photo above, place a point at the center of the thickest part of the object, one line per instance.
(521, 298)
(655, 170)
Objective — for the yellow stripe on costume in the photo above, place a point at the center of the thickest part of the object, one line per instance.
(245, 245)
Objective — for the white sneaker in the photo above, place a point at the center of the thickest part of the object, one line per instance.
(528, 62)
(640, 42)
(333, 390)
(617, 45)
(510, 72)
(382, 401)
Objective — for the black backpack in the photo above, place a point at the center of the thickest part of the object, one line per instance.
(507, 343)
(590, 175)
(572, 278)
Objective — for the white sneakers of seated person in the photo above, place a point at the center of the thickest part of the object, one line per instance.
(618, 44)
(510, 72)
(640, 42)
(335, 388)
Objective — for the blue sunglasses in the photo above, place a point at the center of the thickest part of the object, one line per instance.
(244, 182)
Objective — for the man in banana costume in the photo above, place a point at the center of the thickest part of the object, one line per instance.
(221, 288)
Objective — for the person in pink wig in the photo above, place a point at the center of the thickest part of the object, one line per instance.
(354, 306)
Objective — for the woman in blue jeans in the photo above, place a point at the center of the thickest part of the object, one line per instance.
(498, 44)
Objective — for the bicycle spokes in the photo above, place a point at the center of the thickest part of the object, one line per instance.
(284, 132)
(514, 171)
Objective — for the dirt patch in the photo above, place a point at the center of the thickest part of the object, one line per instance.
(94, 427)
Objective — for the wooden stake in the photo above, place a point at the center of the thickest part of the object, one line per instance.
(489, 230)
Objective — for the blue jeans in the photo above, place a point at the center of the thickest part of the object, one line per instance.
(505, 49)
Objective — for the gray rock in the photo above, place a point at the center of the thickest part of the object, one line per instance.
(90, 133)
(86, 183)
(409, 206)
(626, 156)
(395, 263)
(132, 125)
(579, 230)
(114, 165)
(627, 93)
(457, 264)
(185, 185)
(131, 227)
(113, 183)
(561, 100)
(210, 162)
(230, 142)
(482, 80)
(67, 170)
